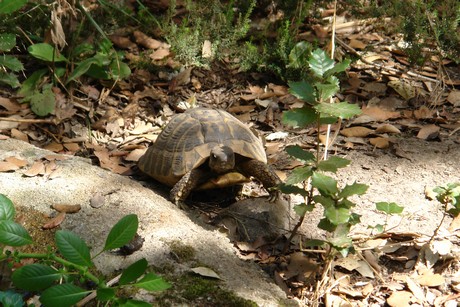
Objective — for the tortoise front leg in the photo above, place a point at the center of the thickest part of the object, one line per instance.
(262, 172)
(185, 185)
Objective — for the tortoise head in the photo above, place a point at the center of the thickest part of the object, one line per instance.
(221, 159)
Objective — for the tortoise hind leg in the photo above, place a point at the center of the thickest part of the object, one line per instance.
(262, 172)
(185, 185)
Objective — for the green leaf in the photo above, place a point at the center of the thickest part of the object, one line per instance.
(7, 210)
(46, 52)
(133, 272)
(303, 90)
(7, 41)
(10, 79)
(320, 63)
(105, 294)
(300, 154)
(299, 117)
(292, 189)
(323, 200)
(98, 72)
(354, 189)
(342, 109)
(13, 234)
(338, 68)
(327, 90)
(333, 164)
(62, 295)
(325, 224)
(43, 103)
(299, 174)
(119, 70)
(298, 56)
(73, 248)
(389, 208)
(337, 215)
(30, 85)
(325, 184)
(10, 6)
(34, 277)
(122, 233)
(81, 68)
(11, 299)
(152, 282)
(11, 62)
(302, 209)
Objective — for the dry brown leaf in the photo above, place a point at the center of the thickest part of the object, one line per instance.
(55, 221)
(424, 112)
(416, 289)
(19, 135)
(379, 114)
(16, 161)
(375, 87)
(454, 98)
(387, 128)
(357, 44)
(428, 132)
(135, 155)
(430, 280)
(7, 166)
(356, 131)
(56, 157)
(301, 266)
(159, 54)
(454, 225)
(72, 147)
(53, 146)
(10, 105)
(38, 168)
(279, 90)
(146, 41)
(122, 42)
(380, 142)
(66, 208)
(400, 299)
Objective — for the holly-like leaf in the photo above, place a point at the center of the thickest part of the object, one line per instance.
(303, 90)
(43, 103)
(299, 174)
(300, 117)
(333, 164)
(327, 90)
(325, 184)
(354, 189)
(320, 63)
(389, 208)
(297, 152)
(292, 189)
(342, 109)
(338, 68)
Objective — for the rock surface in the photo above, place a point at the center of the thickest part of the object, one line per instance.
(76, 181)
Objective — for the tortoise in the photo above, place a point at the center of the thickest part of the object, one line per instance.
(201, 146)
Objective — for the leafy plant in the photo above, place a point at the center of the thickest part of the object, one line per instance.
(316, 187)
(57, 275)
(9, 64)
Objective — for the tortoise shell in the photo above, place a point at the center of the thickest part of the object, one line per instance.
(187, 140)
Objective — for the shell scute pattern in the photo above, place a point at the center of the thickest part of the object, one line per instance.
(187, 140)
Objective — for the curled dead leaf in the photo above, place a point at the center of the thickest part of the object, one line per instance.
(55, 222)
(356, 131)
(38, 168)
(66, 208)
(387, 128)
(207, 272)
(380, 142)
(428, 132)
